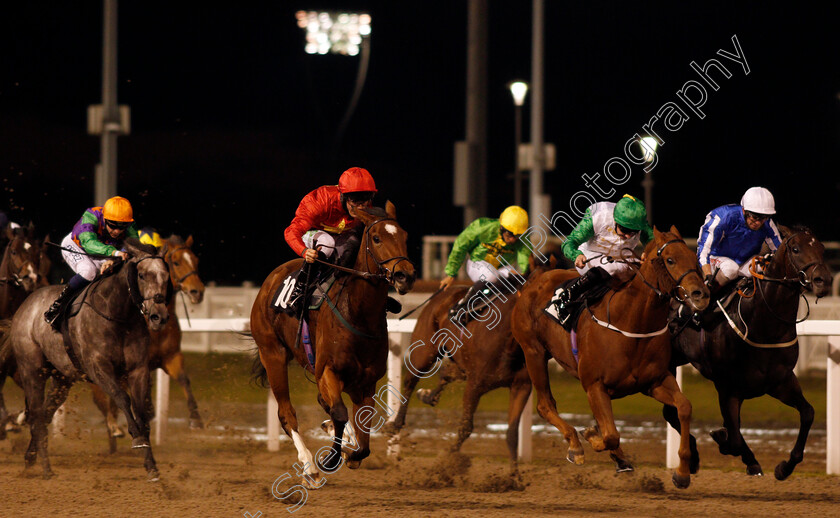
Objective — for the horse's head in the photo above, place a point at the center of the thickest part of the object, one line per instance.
(183, 267)
(22, 258)
(384, 248)
(148, 281)
(677, 271)
(801, 257)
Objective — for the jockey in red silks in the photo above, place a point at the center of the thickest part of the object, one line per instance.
(100, 231)
(326, 222)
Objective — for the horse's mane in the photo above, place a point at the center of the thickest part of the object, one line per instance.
(379, 212)
(135, 243)
(663, 278)
(176, 239)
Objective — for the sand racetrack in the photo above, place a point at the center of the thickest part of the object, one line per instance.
(224, 471)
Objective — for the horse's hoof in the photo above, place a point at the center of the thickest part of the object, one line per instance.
(754, 470)
(681, 482)
(575, 456)
(153, 476)
(314, 481)
(332, 464)
(196, 423)
(783, 470)
(425, 395)
(117, 432)
(624, 467)
(140, 442)
(354, 464)
(720, 436)
(328, 427)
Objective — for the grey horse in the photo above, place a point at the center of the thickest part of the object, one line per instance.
(105, 343)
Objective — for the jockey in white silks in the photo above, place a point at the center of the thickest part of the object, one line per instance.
(601, 244)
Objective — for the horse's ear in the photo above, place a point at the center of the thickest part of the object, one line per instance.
(30, 230)
(676, 232)
(189, 241)
(552, 261)
(10, 233)
(390, 209)
(783, 230)
(657, 235)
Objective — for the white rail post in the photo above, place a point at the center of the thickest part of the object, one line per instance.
(58, 422)
(672, 441)
(161, 405)
(395, 362)
(272, 423)
(525, 446)
(832, 407)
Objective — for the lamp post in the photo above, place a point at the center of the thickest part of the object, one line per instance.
(648, 145)
(518, 89)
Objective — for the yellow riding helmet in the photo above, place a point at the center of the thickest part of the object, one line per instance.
(515, 219)
(118, 209)
(151, 238)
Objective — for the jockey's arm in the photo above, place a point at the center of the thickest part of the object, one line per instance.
(464, 243)
(583, 232)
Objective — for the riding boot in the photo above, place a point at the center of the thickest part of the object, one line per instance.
(308, 273)
(577, 290)
(392, 305)
(76, 283)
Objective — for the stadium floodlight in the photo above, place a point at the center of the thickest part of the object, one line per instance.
(648, 145)
(333, 32)
(519, 89)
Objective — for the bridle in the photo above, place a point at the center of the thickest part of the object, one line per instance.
(680, 295)
(383, 272)
(134, 294)
(167, 257)
(15, 278)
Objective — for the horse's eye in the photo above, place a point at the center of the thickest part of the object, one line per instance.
(140, 276)
(176, 263)
(795, 250)
(14, 252)
(376, 239)
(670, 261)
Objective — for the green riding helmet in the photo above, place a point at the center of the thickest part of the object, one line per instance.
(630, 213)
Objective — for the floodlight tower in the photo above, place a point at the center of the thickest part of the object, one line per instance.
(347, 34)
(648, 145)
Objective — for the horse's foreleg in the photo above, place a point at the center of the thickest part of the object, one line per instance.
(109, 408)
(606, 436)
(790, 393)
(273, 356)
(138, 384)
(174, 366)
(520, 390)
(669, 412)
(669, 393)
(330, 388)
(472, 393)
(729, 438)
(537, 363)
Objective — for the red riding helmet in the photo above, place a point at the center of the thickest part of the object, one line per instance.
(356, 179)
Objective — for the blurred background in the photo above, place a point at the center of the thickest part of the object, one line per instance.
(233, 122)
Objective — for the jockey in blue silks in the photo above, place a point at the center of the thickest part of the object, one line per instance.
(733, 234)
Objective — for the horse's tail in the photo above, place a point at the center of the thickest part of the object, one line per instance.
(259, 375)
(5, 343)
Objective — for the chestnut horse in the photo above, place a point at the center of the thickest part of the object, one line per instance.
(629, 357)
(486, 356)
(350, 338)
(165, 345)
(759, 357)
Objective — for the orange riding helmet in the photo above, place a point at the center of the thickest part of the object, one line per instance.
(118, 209)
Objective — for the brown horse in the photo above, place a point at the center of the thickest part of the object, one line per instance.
(760, 359)
(486, 356)
(612, 364)
(165, 345)
(19, 269)
(350, 338)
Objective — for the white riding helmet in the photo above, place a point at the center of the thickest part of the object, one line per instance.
(759, 200)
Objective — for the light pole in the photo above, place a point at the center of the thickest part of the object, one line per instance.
(518, 89)
(648, 145)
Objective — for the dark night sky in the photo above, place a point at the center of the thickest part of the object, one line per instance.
(233, 123)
